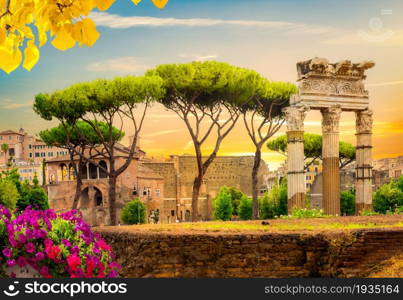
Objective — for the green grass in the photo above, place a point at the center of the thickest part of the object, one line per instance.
(239, 227)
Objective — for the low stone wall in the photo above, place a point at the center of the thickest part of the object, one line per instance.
(336, 254)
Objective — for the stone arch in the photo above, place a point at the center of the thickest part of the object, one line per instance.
(91, 196)
(63, 172)
(72, 173)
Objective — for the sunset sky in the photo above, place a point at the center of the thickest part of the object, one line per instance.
(266, 35)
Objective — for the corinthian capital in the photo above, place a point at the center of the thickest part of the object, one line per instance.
(295, 116)
(364, 121)
(331, 118)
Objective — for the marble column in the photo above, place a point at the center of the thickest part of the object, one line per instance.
(295, 156)
(363, 174)
(330, 156)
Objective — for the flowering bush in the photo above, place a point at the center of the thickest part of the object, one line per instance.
(54, 245)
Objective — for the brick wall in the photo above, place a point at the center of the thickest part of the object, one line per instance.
(344, 254)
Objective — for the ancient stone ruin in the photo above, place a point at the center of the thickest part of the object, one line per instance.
(331, 88)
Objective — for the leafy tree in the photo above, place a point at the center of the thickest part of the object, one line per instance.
(78, 138)
(263, 117)
(206, 96)
(274, 202)
(8, 194)
(223, 205)
(313, 149)
(68, 21)
(347, 202)
(13, 176)
(245, 208)
(236, 196)
(389, 196)
(4, 149)
(100, 103)
(134, 212)
(32, 195)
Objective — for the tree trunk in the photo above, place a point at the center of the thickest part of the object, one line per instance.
(112, 200)
(195, 197)
(255, 170)
(43, 172)
(77, 195)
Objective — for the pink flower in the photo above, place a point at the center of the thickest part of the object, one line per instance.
(30, 247)
(53, 252)
(11, 263)
(21, 261)
(73, 261)
(39, 256)
(104, 246)
(7, 253)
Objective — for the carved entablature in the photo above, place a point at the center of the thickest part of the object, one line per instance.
(364, 121)
(295, 117)
(323, 84)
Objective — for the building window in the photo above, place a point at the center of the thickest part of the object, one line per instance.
(172, 213)
(37, 154)
(30, 146)
(398, 173)
(10, 137)
(30, 155)
(50, 154)
(11, 152)
(43, 154)
(134, 192)
(158, 192)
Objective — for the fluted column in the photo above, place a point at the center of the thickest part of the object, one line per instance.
(295, 156)
(363, 184)
(330, 156)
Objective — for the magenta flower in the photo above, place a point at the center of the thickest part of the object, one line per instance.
(21, 261)
(7, 253)
(29, 237)
(66, 243)
(11, 263)
(30, 247)
(40, 256)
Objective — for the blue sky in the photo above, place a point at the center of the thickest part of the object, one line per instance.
(267, 35)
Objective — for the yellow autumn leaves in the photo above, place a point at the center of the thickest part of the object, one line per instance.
(26, 25)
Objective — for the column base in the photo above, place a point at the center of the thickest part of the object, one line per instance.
(296, 201)
(359, 207)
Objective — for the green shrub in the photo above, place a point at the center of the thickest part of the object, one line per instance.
(134, 212)
(347, 203)
(33, 196)
(367, 213)
(389, 196)
(236, 196)
(274, 202)
(245, 208)
(299, 213)
(223, 205)
(8, 194)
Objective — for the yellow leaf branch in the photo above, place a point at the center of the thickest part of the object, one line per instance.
(66, 21)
